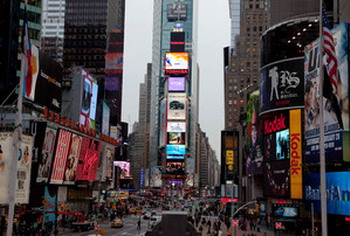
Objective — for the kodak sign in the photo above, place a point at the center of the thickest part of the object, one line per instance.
(277, 124)
(296, 174)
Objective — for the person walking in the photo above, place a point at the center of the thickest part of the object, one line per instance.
(139, 224)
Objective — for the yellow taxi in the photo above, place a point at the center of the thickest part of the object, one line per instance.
(117, 223)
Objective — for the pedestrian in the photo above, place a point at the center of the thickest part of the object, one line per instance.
(139, 224)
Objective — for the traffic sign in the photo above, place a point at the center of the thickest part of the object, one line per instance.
(235, 223)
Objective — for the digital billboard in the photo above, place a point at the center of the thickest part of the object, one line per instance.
(155, 176)
(333, 133)
(163, 122)
(175, 157)
(175, 167)
(176, 84)
(176, 126)
(45, 159)
(176, 11)
(114, 61)
(176, 61)
(72, 160)
(112, 83)
(124, 169)
(338, 192)
(108, 160)
(89, 100)
(89, 160)
(282, 145)
(276, 178)
(61, 154)
(282, 211)
(176, 138)
(282, 85)
(175, 149)
(177, 106)
(105, 118)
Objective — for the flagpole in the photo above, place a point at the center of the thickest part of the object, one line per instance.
(322, 150)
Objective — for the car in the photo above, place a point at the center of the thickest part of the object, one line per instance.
(155, 219)
(147, 216)
(117, 223)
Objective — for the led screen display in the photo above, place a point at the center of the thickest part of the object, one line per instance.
(176, 61)
(124, 168)
(175, 149)
(176, 84)
(175, 157)
(177, 106)
(282, 145)
(176, 126)
(176, 137)
(175, 168)
(286, 211)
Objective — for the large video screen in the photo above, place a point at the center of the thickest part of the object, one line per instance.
(176, 61)
(124, 168)
(282, 145)
(176, 137)
(285, 211)
(176, 84)
(176, 12)
(175, 149)
(175, 168)
(177, 106)
(176, 126)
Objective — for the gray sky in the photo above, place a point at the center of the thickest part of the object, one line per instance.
(213, 36)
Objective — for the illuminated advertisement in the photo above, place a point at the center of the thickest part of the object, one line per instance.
(282, 145)
(72, 160)
(45, 158)
(114, 61)
(333, 134)
(175, 157)
(176, 84)
(177, 106)
(176, 126)
(177, 168)
(281, 85)
(176, 11)
(112, 83)
(89, 100)
(61, 154)
(156, 176)
(163, 122)
(191, 172)
(276, 178)
(108, 161)
(124, 169)
(338, 192)
(105, 118)
(229, 146)
(296, 155)
(176, 61)
(175, 149)
(89, 159)
(176, 137)
(253, 139)
(283, 211)
(230, 157)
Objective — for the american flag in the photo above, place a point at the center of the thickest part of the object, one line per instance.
(329, 49)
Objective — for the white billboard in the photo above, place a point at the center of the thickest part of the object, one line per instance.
(176, 126)
(177, 106)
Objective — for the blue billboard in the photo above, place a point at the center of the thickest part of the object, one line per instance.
(175, 149)
(338, 192)
(178, 157)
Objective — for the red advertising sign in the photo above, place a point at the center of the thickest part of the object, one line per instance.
(89, 159)
(73, 158)
(235, 223)
(61, 155)
(278, 225)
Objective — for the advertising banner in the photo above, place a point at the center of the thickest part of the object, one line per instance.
(61, 154)
(175, 168)
(24, 166)
(177, 106)
(6, 153)
(163, 122)
(191, 173)
(29, 82)
(281, 85)
(49, 205)
(296, 155)
(105, 118)
(112, 83)
(254, 137)
(176, 138)
(45, 160)
(276, 136)
(177, 11)
(108, 161)
(175, 157)
(175, 149)
(176, 126)
(333, 133)
(176, 84)
(124, 169)
(89, 100)
(73, 158)
(114, 61)
(156, 176)
(338, 192)
(176, 61)
(284, 211)
(89, 160)
(230, 157)
(276, 178)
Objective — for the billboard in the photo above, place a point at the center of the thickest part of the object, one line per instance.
(61, 154)
(296, 155)
(112, 83)
(108, 161)
(191, 172)
(333, 133)
(124, 169)
(176, 126)
(114, 61)
(281, 85)
(175, 157)
(162, 122)
(284, 211)
(254, 137)
(176, 138)
(72, 160)
(276, 178)
(176, 61)
(46, 76)
(89, 160)
(177, 106)
(176, 11)
(45, 159)
(156, 176)
(230, 157)
(175, 149)
(89, 100)
(105, 118)
(175, 168)
(338, 192)
(176, 84)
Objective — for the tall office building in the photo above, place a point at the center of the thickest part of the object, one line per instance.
(52, 31)
(172, 16)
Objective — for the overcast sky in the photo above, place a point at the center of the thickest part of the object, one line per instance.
(213, 36)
